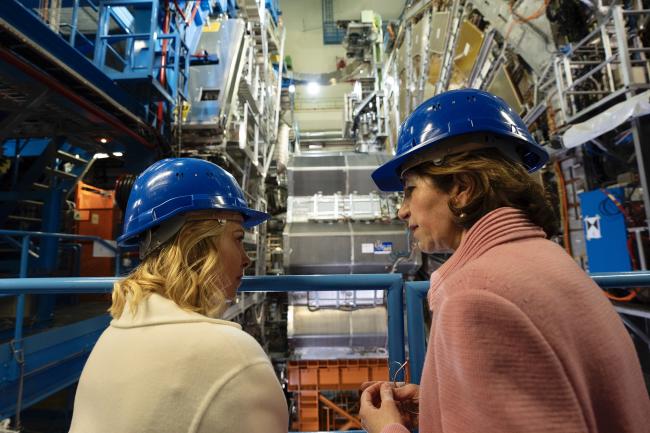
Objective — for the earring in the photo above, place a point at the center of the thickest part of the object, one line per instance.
(462, 215)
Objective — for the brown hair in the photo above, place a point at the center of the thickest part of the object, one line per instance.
(186, 270)
(492, 181)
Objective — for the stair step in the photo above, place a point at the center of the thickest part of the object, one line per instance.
(60, 173)
(38, 185)
(32, 202)
(24, 218)
(71, 158)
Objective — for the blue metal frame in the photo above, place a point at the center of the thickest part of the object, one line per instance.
(416, 291)
(144, 42)
(18, 342)
(332, 34)
(35, 30)
(45, 363)
(18, 353)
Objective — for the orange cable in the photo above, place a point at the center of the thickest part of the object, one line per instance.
(180, 11)
(538, 13)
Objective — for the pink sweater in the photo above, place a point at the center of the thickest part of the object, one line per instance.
(523, 341)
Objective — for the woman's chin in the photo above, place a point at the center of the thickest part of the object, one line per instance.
(435, 249)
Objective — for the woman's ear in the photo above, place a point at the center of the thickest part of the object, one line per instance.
(462, 190)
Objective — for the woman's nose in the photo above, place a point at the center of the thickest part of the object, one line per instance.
(246, 261)
(403, 213)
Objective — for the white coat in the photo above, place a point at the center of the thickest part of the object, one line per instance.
(169, 370)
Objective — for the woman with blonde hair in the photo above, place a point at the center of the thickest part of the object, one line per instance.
(521, 339)
(167, 363)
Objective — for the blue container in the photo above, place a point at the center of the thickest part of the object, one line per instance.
(605, 231)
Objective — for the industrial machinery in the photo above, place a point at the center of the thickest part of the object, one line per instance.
(93, 91)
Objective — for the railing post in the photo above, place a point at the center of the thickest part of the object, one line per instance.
(17, 343)
(73, 27)
(20, 301)
(415, 292)
(396, 355)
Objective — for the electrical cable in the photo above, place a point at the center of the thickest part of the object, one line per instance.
(538, 13)
(123, 187)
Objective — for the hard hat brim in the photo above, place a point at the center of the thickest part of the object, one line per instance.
(252, 218)
(388, 178)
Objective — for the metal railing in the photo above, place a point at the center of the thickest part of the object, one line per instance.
(600, 66)
(15, 357)
(25, 252)
(416, 291)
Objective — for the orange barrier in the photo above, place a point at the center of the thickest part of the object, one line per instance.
(308, 377)
(96, 215)
(335, 375)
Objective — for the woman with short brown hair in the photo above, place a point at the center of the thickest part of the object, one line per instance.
(521, 339)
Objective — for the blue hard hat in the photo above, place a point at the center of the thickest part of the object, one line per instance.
(175, 186)
(452, 114)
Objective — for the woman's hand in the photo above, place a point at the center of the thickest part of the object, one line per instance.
(382, 403)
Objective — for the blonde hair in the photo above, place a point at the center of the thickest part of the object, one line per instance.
(492, 181)
(186, 270)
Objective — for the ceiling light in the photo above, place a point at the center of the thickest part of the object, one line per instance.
(101, 155)
(292, 88)
(118, 154)
(313, 88)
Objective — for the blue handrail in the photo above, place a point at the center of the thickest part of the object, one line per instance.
(21, 233)
(416, 291)
(288, 283)
(24, 264)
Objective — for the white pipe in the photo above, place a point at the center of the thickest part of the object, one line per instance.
(283, 147)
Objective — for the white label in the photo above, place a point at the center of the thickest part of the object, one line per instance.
(94, 218)
(367, 248)
(383, 247)
(101, 250)
(593, 227)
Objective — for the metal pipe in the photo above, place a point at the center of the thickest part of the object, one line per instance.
(636, 12)
(60, 236)
(484, 52)
(328, 140)
(592, 71)
(279, 88)
(74, 25)
(20, 310)
(321, 135)
(583, 41)
(395, 307)
(639, 245)
(416, 291)
(622, 279)
(285, 283)
(631, 311)
(19, 245)
(636, 331)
